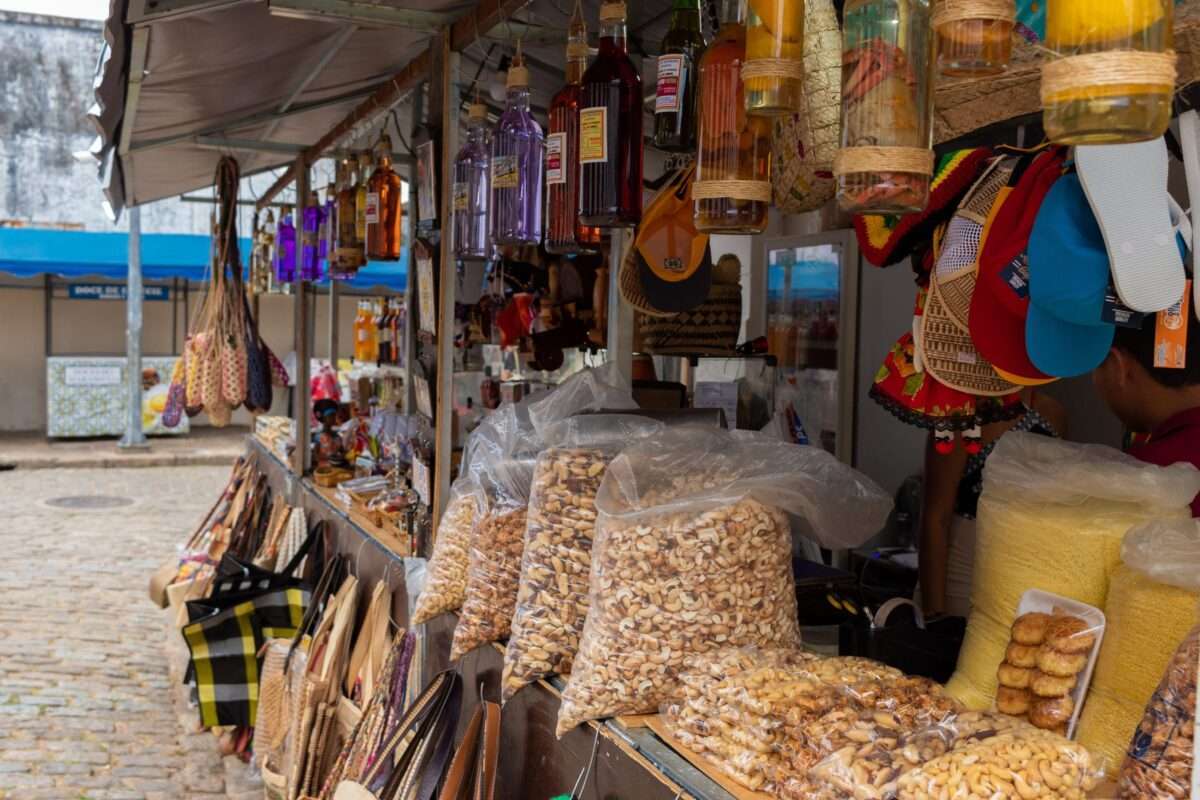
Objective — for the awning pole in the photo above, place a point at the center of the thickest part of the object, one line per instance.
(303, 334)
(134, 435)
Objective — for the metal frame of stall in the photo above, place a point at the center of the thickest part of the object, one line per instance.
(439, 66)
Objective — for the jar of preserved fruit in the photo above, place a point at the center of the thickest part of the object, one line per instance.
(974, 37)
(886, 159)
(774, 65)
(1113, 72)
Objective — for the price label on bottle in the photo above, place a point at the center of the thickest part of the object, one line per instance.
(461, 192)
(666, 94)
(556, 146)
(372, 213)
(593, 135)
(504, 172)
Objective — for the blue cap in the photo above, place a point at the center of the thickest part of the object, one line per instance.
(1068, 279)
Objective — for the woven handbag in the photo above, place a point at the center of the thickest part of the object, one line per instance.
(709, 329)
(805, 143)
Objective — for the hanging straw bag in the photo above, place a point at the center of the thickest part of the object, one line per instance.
(805, 143)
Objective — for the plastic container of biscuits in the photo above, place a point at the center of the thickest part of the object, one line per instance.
(1074, 631)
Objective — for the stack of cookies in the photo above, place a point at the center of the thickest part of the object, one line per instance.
(1041, 667)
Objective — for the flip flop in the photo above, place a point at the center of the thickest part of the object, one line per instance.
(1126, 186)
(1189, 134)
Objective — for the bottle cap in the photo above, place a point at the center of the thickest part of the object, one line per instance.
(477, 111)
(518, 76)
(612, 12)
(384, 145)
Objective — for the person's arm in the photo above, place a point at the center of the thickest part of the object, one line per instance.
(942, 476)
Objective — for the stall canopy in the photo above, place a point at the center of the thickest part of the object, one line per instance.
(26, 252)
(182, 82)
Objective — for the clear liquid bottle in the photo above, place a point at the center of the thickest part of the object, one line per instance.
(565, 234)
(610, 130)
(774, 37)
(675, 89)
(472, 189)
(518, 164)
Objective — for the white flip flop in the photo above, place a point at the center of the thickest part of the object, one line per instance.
(1126, 186)
(1189, 136)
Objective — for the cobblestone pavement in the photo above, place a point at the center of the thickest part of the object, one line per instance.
(87, 705)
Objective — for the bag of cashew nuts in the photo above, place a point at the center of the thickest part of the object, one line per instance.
(693, 552)
(1025, 763)
(552, 600)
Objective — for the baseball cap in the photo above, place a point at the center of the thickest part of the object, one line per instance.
(1065, 333)
(673, 258)
(1001, 300)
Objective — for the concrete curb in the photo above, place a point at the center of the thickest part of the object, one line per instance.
(123, 461)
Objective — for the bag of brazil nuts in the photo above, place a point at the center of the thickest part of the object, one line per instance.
(553, 597)
(692, 553)
(505, 476)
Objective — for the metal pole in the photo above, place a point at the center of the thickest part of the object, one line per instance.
(410, 318)
(303, 392)
(620, 313)
(134, 435)
(335, 300)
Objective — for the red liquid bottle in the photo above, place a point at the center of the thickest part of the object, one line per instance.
(565, 233)
(610, 130)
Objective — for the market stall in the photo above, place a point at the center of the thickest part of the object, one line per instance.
(591, 500)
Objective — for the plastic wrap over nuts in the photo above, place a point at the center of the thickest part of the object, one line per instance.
(446, 585)
(492, 577)
(552, 601)
(693, 553)
(1027, 763)
(1160, 762)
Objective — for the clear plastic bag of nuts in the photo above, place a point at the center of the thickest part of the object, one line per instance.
(1026, 762)
(552, 600)
(693, 552)
(446, 582)
(1160, 759)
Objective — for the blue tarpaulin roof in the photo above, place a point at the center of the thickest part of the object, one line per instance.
(26, 252)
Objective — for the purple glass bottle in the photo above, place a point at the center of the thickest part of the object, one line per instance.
(472, 189)
(517, 166)
(285, 249)
(310, 265)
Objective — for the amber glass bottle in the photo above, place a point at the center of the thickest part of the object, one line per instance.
(349, 255)
(383, 206)
(733, 165)
(610, 130)
(565, 233)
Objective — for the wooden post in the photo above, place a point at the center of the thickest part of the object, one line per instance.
(443, 107)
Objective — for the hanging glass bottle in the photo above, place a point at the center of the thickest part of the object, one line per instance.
(518, 161)
(564, 232)
(732, 189)
(974, 37)
(348, 256)
(1114, 73)
(361, 195)
(610, 130)
(675, 89)
(383, 206)
(886, 158)
(310, 233)
(472, 191)
(326, 245)
(774, 67)
(285, 247)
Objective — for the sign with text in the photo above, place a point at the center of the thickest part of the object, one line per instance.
(114, 291)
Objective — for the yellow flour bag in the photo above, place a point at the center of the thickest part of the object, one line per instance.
(1147, 619)
(1052, 517)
